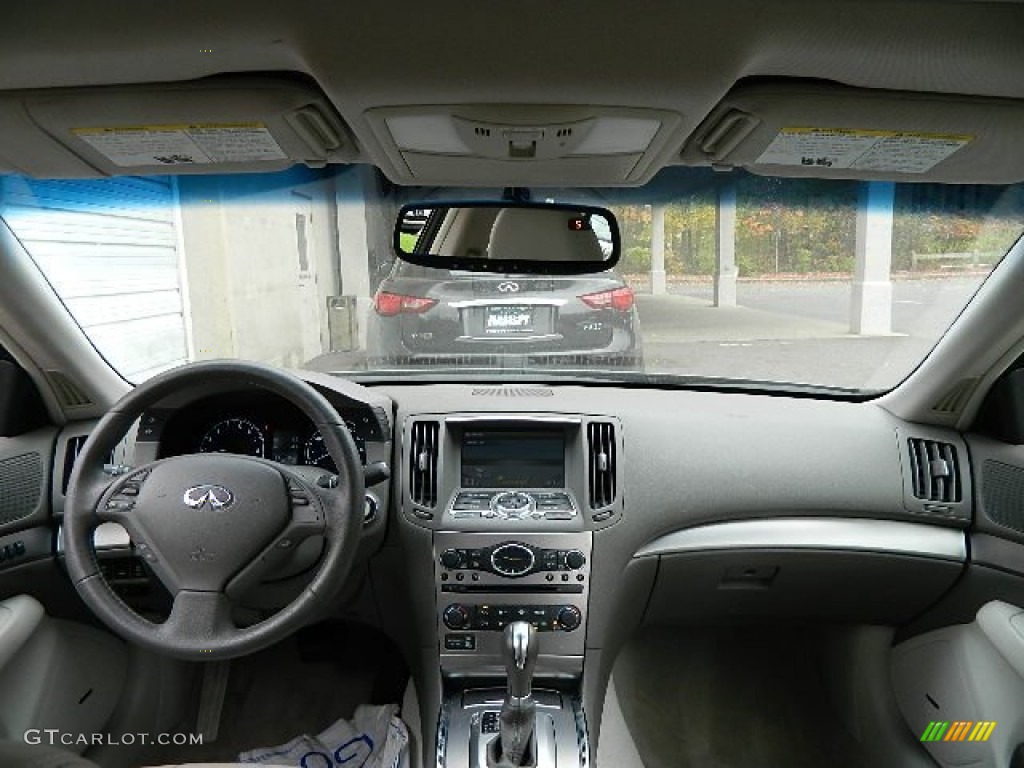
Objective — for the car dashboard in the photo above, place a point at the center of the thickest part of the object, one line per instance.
(594, 511)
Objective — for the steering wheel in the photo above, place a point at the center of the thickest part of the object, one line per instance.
(212, 525)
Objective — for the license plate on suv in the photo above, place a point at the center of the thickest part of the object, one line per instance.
(506, 320)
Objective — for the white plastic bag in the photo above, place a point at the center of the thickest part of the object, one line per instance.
(374, 738)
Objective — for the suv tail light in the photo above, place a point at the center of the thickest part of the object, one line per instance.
(619, 298)
(391, 304)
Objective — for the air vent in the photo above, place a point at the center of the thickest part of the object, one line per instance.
(482, 131)
(74, 447)
(956, 398)
(601, 474)
(934, 470)
(423, 450)
(66, 391)
(512, 392)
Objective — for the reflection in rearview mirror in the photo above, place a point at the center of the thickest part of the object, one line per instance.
(508, 238)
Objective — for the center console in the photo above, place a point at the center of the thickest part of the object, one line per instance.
(513, 501)
(486, 581)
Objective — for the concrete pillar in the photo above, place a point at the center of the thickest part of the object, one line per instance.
(352, 244)
(871, 303)
(725, 247)
(658, 282)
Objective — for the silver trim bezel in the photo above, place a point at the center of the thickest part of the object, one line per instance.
(867, 535)
(496, 550)
(106, 536)
(513, 417)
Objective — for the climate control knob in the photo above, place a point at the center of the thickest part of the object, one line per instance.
(456, 617)
(451, 558)
(569, 618)
(574, 560)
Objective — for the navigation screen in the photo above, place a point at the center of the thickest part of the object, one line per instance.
(513, 459)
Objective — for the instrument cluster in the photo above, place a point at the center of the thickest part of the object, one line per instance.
(287, 443)
(264, 426)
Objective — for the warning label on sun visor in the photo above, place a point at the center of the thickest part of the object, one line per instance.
(892, 151)
(183, 144)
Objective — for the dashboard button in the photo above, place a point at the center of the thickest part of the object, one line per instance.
(569, 618)
(456, 617)
(459, 642)
(574, 559)
(451, 558)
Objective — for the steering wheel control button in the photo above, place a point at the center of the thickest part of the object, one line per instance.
(298, 496)
(512, 560)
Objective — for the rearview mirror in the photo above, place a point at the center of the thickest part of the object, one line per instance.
(508, 238)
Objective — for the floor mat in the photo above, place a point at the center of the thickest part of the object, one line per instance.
(746, 697)
(299, 686)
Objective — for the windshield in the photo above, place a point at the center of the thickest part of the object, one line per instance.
(784, 282)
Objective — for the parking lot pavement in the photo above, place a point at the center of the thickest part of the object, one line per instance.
(921, 306)
(673, 319)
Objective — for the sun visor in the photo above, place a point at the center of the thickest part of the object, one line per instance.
(829, 131)
(230, 124)
(524, 145)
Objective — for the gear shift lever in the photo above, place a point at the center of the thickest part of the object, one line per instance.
(520, 651)
(514, 747)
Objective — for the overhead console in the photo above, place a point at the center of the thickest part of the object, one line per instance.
(225, 124)
(523, 144)
(826, 130)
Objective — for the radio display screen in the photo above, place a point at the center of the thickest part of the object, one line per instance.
(505, 458)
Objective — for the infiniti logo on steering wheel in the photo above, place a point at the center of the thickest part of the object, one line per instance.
(213, 496)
